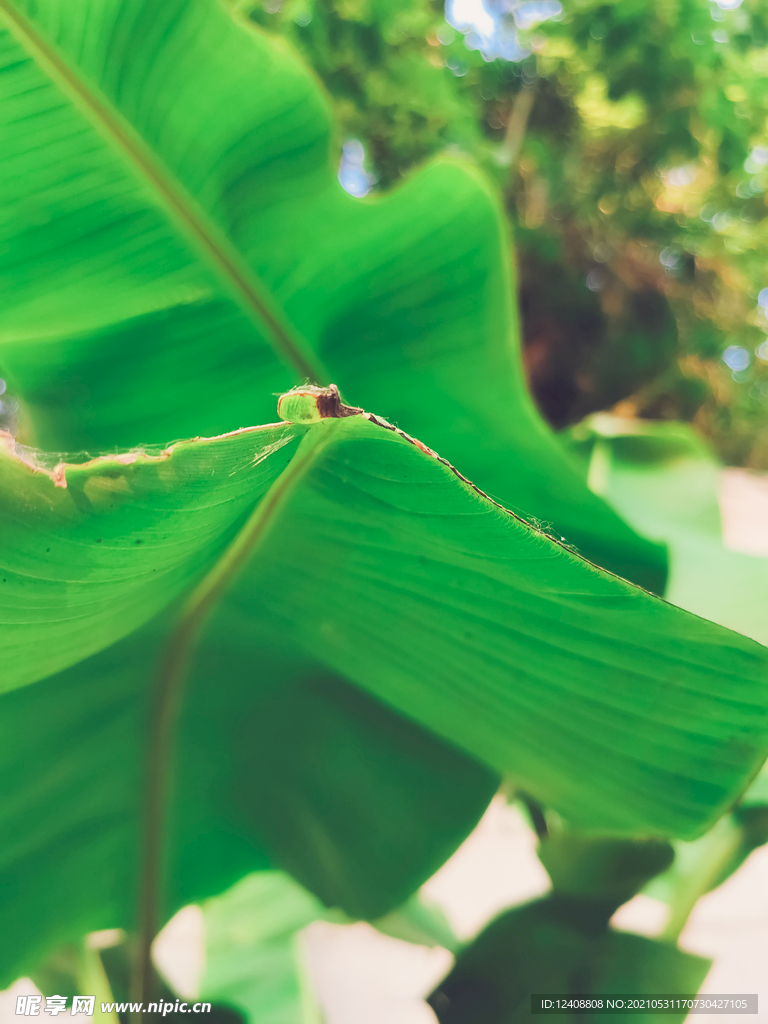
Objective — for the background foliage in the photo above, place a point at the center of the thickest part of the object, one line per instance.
(631, 143)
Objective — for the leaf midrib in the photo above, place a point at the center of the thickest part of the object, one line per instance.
(208, 239)
(170, 683)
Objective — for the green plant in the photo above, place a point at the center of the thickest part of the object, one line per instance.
(311, 644)
(629, 145)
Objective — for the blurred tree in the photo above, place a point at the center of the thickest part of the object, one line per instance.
(381, 62)
(631, 143)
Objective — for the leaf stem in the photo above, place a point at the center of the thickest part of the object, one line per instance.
(516, 125)
(723, 844)
(169, 693)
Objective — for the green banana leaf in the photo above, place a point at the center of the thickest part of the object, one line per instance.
(253, 957)
(96, 549)
(663, 480)
(179, 248)
(255, 961)
(606, 871)
(547, 947)
(385, 642)
(275, 767)
(705, 863)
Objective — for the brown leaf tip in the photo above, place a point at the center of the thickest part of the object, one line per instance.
(309, 403)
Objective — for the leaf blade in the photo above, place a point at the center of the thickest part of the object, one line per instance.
(437, 350)
(218, 251)
(548, 637)
(368, 576)
(94, 550)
